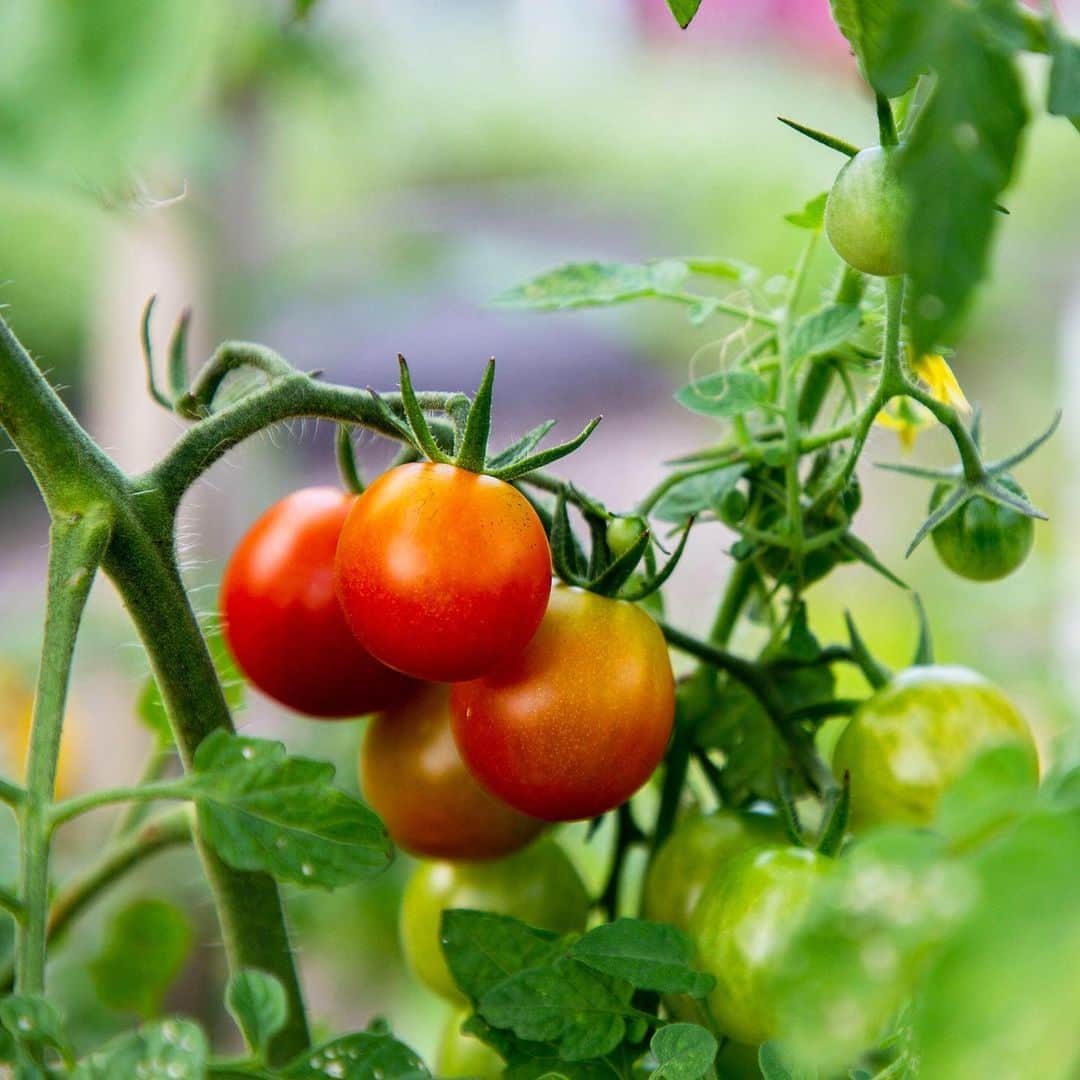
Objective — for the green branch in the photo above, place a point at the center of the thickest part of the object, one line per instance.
(73, 808)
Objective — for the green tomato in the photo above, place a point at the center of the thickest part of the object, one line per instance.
(741, 929)
(867, 213)
(905, 745)
(623, 533)
(983, 541)
(461, 1054)
(700, 847)
(539, 886)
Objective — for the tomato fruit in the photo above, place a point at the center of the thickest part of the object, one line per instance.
(575, 724)
(741, 928)
(866, 216)
(905, 745)
(414, 778)
(983, 540)
(282, 620)
(443, 573)
(699, 847)
(462, 1054)
(539, 886)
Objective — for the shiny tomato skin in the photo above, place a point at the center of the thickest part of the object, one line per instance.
(907, 743)
(576, 723)
(443, 573)
(414, 778)
(281, 616)
(462, 1054)
(741, 928)
(539, 886)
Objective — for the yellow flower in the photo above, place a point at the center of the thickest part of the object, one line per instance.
(906, 417)
(941, 382)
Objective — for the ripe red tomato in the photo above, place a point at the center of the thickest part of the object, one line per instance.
(443, 573)
(575, 724)
(282, 619)
(414, 778)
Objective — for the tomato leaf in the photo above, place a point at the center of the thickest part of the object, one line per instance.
(256, 1001)
(364, 1055)
(684, 11)
(594, 284)
(683, 1051)
(1064, 90)
(173, 1048)
(482, 948)
(811, 216)
(566, 1003)
(776, 1063)
(697, 494)
(824, 330)
(34, 1022)
(724, 393)
(262, 810)
(146, 946)
(648, 955)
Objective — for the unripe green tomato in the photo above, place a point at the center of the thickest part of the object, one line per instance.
(737, 1062)
(866, 216)
(623, 533)
(700, 847)
(905, 745)
(741, 929)
(983, 540)
(461, 1054)
(539, 886)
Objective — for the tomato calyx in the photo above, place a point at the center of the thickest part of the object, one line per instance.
(464, 443)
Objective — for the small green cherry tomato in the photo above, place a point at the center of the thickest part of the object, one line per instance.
(983, 540)
(623, 533)
(461, 1054)
(866, 215)
(701, 846)
(741, 929)
(905, 745)
(539, 886)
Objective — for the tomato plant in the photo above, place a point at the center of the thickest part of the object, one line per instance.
(942, 941)
(414, 778)
(282, 619)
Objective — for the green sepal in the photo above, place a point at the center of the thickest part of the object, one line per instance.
(471, 452)
(835, 817)
(148, 356)
(566, 557)
(422, 436)
(831, 141)
(875, 672)
(924, 647)
(656, 580)
(524, 446)
(612, 577)
(544, 457)
(789, 812)
(178, 373)
(346, 461)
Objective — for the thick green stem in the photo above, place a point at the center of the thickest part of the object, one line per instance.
(77, 543)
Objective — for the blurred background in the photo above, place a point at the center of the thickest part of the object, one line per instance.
(361, 183)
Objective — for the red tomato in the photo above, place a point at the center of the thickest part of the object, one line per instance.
(415, 780)
(575, 724)
(443, 573)
(282, 619)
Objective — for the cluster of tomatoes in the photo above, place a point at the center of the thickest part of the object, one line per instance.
(504, 702)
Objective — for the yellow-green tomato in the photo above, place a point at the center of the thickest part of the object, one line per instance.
(461, 1054)
(905, 745)
(539, 886)
(699, 847)
(741, 929)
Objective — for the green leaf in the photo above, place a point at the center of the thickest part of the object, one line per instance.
(777, 1064)
(888, 38)
(959, 157)
(594, 284)
(824, 330)
(648, 955)
(580, 1010)
(34, 1021)
(482, 948)
(684, 11)
(257, 1002)
(170, 1048)
(683, 1051)
(720, 266)
(812, 215)
(262, 810)
(1064, 91)
(724, 393)
(364, 1055)
(697, 494)
(146, 946)
(997, 788)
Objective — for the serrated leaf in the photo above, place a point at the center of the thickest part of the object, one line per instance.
(724, 393)
(683, 1051)
(364, 1055)
(824, 330)
(257, 1002)
(648, 955)
(262, 810)
(34, 1021)
(146, 946)
(812, 215)
(594, 284)
(776, 1063)
(565, 1003)
(697, 494)
(170, 1048)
